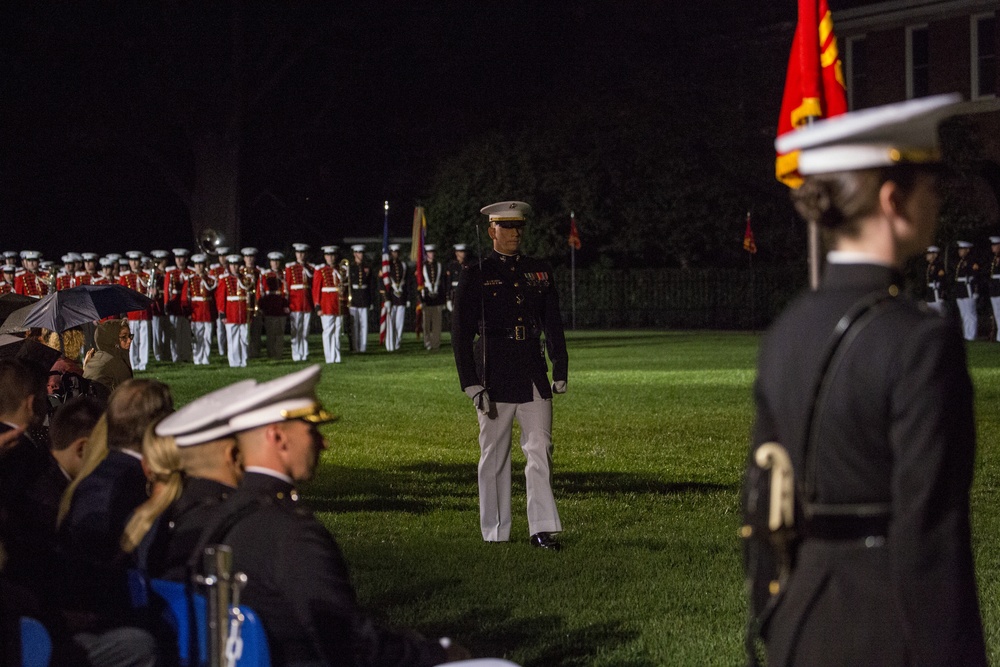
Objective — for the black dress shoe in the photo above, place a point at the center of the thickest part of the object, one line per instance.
(544, 541)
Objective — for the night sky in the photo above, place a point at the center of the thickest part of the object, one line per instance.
(348, 106)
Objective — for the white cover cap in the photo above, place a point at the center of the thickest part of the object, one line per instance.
(506, 210)
(206, 418)
(900, 133)
(300, 247)
(359, 247)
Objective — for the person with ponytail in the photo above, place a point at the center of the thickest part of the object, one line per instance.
(867, 393)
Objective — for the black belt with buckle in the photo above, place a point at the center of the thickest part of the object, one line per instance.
(846, 527)
(514, 333)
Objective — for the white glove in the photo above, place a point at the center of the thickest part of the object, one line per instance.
(559, 387)
(480, 398)
(407, 304)
(448, 305)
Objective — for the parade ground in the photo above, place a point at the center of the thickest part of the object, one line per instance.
(650, 444)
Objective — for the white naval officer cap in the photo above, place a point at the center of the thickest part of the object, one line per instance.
(106, 261)
(181, 252)
(394, 247)
(89, 256)
(233, 258)
(963, 244)
(933, 248)
(358, 247)
(159, 254)
(222, 250)
(510, 212)
(300, 247)
(10, 254)
(199, 258)
(30, 254)
(122, 261)
(274, 254)
(459, 246)
(9, 268)
(883, 136)
(114, 256)
(134, 254)
(206, 418)
(292, 396)
(249, 251)
(430, 247)
(330, 249)
(75, 257)
(66, 259)
(47, 264)
(994, 240)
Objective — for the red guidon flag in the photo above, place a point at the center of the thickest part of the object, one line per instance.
(814, 84)
(574, 235)
(748, 243)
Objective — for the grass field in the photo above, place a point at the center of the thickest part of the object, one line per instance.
(649, 441)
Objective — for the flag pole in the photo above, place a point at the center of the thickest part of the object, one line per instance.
(572, 275)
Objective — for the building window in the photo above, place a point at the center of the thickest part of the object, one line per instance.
(917, 62)
(984, 56)
(857, 72)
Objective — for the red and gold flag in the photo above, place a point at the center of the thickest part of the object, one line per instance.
(417, 257)
(574, 235)
(814, 84)
(748, 243)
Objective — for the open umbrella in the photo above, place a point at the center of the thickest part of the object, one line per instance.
(72, 307)
(14, 323)
(10, 302)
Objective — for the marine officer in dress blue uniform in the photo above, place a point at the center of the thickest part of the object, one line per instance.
(503, 308)
(883, 451)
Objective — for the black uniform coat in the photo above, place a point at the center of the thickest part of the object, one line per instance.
(361, 285)
(297, 581)
(509, 292)
(897, 428)
(168, 545)
(90, 534)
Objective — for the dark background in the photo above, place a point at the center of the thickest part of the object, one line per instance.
(653, 121)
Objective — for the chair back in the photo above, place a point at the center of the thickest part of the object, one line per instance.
(190, 612)
(36, 645)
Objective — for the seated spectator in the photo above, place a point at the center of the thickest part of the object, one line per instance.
(297, 580)
(40, 485)
(191, 475)
(109, 363)
(93, 514)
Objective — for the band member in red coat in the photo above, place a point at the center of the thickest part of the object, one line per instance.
(219, 271)
(274, 304)
(250, 273)
(179, 332)
(138, 321)
(298, 276)
(31, 281)
(231, 299)
(197, 299)
(327, 285)
(7, 279)
(160, 323)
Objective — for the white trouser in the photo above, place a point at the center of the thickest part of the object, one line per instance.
(180, 339)
(299, 329)
(159, 342)
(236, 339)
(138, 353)
(394, 327)
(256, 328)
(936, 306)
(432, 327)
(535, 419)
(274, 327)
(201, 342)
(221, 331)
(995, 302)
(331, 337)
(359, 328)
(970, 320)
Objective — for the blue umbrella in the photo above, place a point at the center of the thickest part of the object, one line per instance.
(72, 307)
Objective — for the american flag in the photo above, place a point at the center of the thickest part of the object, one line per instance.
(383, 319)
